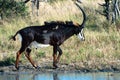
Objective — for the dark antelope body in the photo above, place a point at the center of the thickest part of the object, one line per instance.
(51, 33)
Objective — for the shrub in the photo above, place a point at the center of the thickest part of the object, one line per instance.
(12, 8)
(7, 61)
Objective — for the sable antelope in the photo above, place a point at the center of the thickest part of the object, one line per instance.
(51, 33)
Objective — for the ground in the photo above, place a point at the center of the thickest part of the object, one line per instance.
(47, 67)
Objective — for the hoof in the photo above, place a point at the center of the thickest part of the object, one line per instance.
(37, 67)
(17, 68)
(55, 66)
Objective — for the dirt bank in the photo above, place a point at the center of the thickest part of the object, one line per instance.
(47, 67)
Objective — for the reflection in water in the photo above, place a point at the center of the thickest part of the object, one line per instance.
(59, 76)
(55, 76)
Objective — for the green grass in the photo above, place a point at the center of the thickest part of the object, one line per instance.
(7, 61)
(101, 47)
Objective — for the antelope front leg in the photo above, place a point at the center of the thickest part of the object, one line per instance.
(55, 57)
(55, 61)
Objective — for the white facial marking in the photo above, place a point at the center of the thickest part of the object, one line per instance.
(81, 35)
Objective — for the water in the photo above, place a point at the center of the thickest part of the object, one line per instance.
(59, 76)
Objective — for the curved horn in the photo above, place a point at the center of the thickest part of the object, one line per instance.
(84, 15)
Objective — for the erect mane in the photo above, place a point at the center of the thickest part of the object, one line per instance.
(69, 23)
